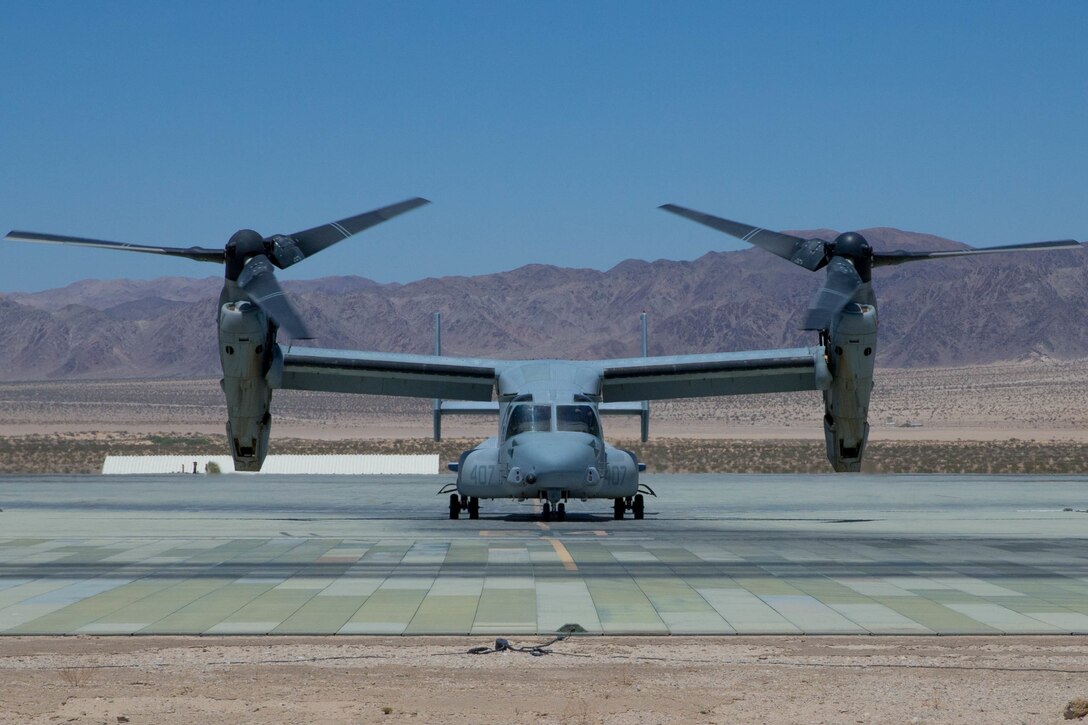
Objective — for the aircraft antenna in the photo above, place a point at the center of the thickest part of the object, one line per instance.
(644, 419)
(436, 406)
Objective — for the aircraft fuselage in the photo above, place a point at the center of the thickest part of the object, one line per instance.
(550, 444)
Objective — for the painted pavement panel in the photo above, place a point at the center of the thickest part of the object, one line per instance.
(715, 555)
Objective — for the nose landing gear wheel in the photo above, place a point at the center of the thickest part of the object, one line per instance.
(637, 507)
(474, 508)
(560, 512)
(546, 513)
(617, 509)
(455, 506)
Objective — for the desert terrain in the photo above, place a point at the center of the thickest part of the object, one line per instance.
(1029, 416)
(1022, 417)
(582, 680)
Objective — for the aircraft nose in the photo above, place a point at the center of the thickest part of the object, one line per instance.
(550, 456)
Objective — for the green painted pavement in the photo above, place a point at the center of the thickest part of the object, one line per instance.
(718, 555)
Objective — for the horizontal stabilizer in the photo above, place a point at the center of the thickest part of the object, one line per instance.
(626, 408)
(468, 407)
(641, 408)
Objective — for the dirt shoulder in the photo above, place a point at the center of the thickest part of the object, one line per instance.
(1028, 417)
(591, 680)
(1041, 400)
(84, 452)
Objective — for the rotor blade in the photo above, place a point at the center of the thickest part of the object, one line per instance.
(886, 259)
(259, 283)
(807, 253)
(841, 285)
(314, 240)
(200, 254)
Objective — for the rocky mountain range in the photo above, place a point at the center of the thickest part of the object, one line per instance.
(949, 312)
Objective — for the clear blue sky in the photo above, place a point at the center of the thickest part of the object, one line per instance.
(542, 132)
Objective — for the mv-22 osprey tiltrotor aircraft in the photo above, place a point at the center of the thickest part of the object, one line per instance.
(550, 445)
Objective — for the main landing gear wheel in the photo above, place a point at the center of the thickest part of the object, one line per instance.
(618, 509)
(455, 506)
(546, 512)
(560, 512)
(474, 508)
(637, 507)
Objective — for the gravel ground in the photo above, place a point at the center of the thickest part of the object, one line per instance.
(590, 680)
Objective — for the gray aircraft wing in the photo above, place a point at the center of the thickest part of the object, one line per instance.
(622, 380)
(727, 373)
(414, 376)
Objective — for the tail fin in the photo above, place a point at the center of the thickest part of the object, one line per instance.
(645, 427)
(436, 409)
(639, 408)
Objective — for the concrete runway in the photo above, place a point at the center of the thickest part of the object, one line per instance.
(716, 554)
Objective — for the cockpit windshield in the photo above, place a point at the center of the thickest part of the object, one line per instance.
(527, 417)
(579, 418)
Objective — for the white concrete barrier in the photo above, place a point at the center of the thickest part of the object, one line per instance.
(347, 465)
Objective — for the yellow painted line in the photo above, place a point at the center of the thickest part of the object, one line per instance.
(564, 555)
(538, 509)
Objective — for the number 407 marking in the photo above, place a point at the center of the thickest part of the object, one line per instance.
(481, 475)
(616, 475)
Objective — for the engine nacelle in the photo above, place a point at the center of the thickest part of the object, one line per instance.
(247, 348)
(851, 353)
